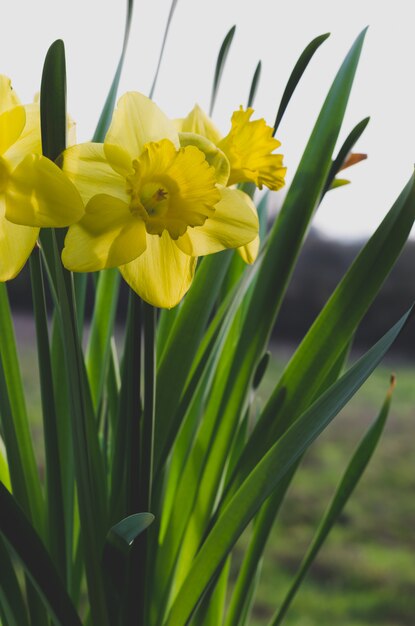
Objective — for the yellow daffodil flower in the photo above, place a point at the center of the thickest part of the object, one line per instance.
(152, 205)
(249, 150)
(33, 191)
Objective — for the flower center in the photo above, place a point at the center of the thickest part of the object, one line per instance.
(150, 200)
(172, 189)
(155, 199)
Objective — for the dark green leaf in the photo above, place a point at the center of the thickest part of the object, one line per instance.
(56, 516)
(53, 101)
(116, 560)
(106, 114)
(220, 64)
(254, 85)
(15, 425)
(296, 75)
(11, 598)
(35, 559)
(89, 465)
(347, 146)
(166, 32)
(261, 369)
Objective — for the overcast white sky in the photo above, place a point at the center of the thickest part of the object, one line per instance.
(275, 32)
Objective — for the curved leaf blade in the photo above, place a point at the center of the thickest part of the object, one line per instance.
(220, 65)
(296, 75)
(347, 146)
(163, 45)
(254, 84)
(106, 114)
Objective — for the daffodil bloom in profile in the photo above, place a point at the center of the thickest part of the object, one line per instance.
(33, 190)
(249, 148)
(152, 205)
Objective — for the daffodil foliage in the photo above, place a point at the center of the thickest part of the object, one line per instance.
(157, 454)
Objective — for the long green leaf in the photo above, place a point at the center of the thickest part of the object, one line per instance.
(254, 84)
(347, 146)
(21, 459)
(348, 483)
(296, 75)
(102, 326)
(263, 524)
(126, 455)
(220, 64)
(163, 45)
(272, 468)
(24, 540)
(55, 505)
(106, 114)
(89, 466)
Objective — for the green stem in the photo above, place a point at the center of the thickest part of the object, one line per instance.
(89, 467)
(55, 507)
(141, 552)
(147, 448)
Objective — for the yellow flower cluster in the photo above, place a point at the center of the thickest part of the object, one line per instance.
(150, 200)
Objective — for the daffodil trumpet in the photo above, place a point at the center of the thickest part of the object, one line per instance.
(249, 151)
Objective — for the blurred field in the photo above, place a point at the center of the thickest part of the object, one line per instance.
(365, 573)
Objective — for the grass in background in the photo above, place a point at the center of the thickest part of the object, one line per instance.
(365, 573)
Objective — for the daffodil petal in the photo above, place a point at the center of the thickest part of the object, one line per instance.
(249, 252)
(250, 147)
(108, 236)
(234, 224)
(8, 97)
(162, 274)
(215, 157)
(11, 126)
(137, 120)
(119, 159)
(29, 141)
(87, 167)
(39, 194)
(198, 122)
(16, 244)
